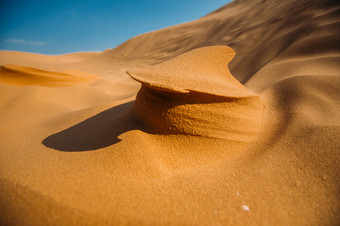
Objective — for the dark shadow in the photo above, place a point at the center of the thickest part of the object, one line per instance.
(103, 129)
(99, 131)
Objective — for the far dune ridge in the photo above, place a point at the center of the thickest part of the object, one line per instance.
(231, 119)
(19, 75)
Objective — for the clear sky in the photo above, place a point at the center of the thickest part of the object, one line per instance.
(63, 26)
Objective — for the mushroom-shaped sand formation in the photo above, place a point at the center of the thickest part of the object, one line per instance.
(195, 94)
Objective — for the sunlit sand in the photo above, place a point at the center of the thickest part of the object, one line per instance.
(232, 119)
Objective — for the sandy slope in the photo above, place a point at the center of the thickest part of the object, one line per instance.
(90, 154)
(19, 75)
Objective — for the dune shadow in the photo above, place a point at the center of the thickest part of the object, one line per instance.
(99, 131)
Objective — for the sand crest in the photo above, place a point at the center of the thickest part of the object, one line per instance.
(19, 75)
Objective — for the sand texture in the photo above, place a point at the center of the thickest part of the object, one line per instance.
(232, 119)
(173, 99)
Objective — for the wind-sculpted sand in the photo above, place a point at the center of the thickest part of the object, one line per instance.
(199, 136)
(195, 94)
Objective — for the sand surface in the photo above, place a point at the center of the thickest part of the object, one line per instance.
(198, 135)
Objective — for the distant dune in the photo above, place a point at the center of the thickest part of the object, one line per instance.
(19, 75)
(231, 119)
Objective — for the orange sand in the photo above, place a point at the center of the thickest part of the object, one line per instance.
(18, 75)
(83, 148)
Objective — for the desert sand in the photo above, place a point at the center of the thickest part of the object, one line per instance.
(232, 119)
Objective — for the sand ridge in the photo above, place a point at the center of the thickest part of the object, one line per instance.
(19, 75)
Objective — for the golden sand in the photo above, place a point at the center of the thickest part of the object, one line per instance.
(22, 76)
(181, 96)
(95, 147)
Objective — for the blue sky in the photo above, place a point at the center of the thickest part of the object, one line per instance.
(64, 26)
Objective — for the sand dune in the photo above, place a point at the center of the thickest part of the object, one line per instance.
(259, 150)
(18, 75)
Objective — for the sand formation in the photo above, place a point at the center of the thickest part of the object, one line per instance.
(195, 94)
(73, 155)
(23, 76)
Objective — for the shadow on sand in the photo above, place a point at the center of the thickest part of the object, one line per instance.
(99, 131)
